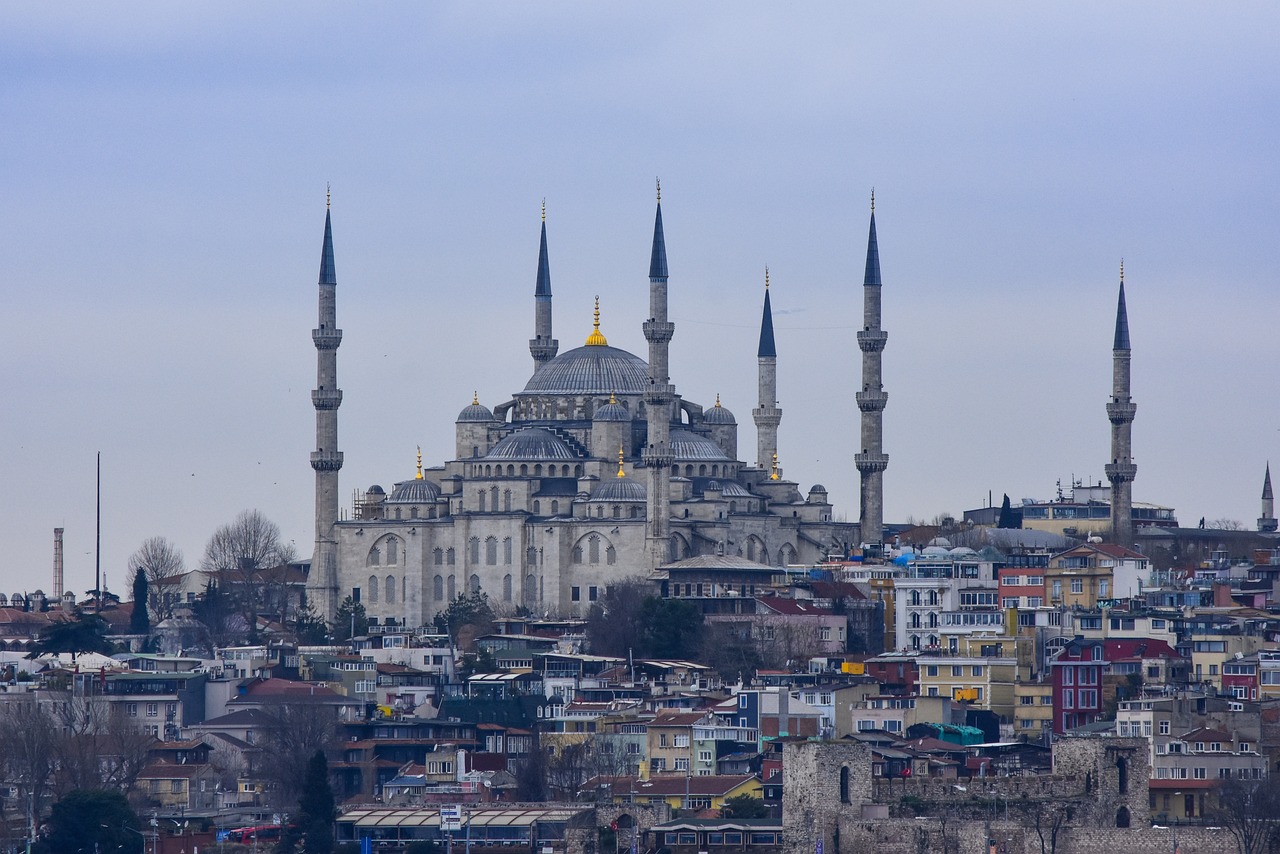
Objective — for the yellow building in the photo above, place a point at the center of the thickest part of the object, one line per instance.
(1032, 709)
(985, 683)
(680, 792)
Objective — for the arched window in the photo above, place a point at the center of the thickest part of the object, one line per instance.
(449, 558)
(531, 556)
(373, 590)
(475, 584)
(844, 784)
(393, 551)
(915, 641)
(524, 470)
(506, 500)
(577, 554)
(593, 549)
(537, 508)
(506, 587)
(511, 471)
(933, 640)
(599, 512)
(413, 512)
(397, 513)
(688, 471)
(551, 471)
(491, 551)
(787, 555)
(702, 470)
(617, 512)
(482, 501)
(1122, 778)
(530, 588)
(933, 620)
(610, 556)
(488, 471)
(1122, 817)
(506, 551)
(537, 470)
(437, 556)
(635, 512)
(915, 620)
(374, 558)
(577, 471)
(751, 548)
(473, 549)
(915, 598)
(493, 498)
(437, 588)
(933, 597)
(451, 589)
(391, 590)
(555, 507)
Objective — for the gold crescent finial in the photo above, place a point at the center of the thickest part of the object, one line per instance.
(1122, 271)
(766, 277)
(717, 400)
(328, 195)
(475, 398)
(873, 199)
(544, 209)
(596, 338)
(621, 473)
(658, 181)
(613, 398)
(774, 475)
(418, 476)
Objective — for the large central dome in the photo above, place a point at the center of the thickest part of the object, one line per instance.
(593, 369)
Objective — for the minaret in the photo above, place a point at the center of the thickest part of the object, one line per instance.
(326, 459)
(542, 346)
(872, 461)
(57, 560)
(767, 415)
(1267, 523)
(1120, 410)
(656, 455)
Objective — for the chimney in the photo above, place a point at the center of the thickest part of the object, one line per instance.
(57, 565)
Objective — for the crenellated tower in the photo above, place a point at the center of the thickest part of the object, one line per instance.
(1120, 411)
(326, 459)
(542, 346)
(872, 461)
(767, 415)
(658, 397)
(1267, 522)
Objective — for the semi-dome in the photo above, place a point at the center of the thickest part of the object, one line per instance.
(534, 443)
(593, 369)
(475, 411)
(733, 489)
(687, 446)
(414, 492)
(718, 414)
(375, 490)
(619, 489)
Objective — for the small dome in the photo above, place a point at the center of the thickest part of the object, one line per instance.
(534, 443)
(414, 492)
(935, 551)
(718, 414)
(611, 411)
(963, 551)
(732, 489)
(817, 487)
(475, 411)
(374, 490)
(713, 485)
(940, 541)
(691, 446)
(619, 489)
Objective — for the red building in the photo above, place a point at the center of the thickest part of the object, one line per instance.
(1077, 684)
(1021, 587)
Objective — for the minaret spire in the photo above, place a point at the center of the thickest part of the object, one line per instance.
(326, 459)
(1267, 522)
(1120, 411)
(658, 397)
(542, 346)
(872, 461)
(767, 415)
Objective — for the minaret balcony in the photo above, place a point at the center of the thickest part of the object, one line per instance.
(659, 394)
(872, 340)
(767, 416)
(1121, 472)
(656, 332)
(1121, 412)
(326, 398)
(869, 463)
(872, 401)
(326, 339)
(326, 460)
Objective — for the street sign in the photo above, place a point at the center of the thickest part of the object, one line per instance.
(451, 817)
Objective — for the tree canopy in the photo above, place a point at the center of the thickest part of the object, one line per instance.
(350, 620)
(89, 819)
(140, 620)
(88, 633)
(248, 543)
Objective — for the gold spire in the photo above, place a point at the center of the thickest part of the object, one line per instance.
(475, 398)
(774, 475)
(544, 209)
(766, 277)
(873, 199)
(658, 181)
(613, 398)
(418, 476)
(1122, 271)
(327, 195)
(621, 473)
(596, 338)
(717, 400)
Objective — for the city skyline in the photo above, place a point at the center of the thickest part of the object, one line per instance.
(167, 171)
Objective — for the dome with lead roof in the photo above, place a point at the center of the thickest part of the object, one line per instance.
(535, 443)
(687, 447)
(718, 414)
(593, 369)
(414, 492)
(475, 411)
(619, 489)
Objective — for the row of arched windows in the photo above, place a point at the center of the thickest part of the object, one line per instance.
(524, 470)
(704, 470)
(387, 590)
(633, 512)
(388, 548)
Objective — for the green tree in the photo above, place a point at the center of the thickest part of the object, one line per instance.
(140, 620)
(350, 616)
(316, 808)
(469, 609)
(92, 819)
(615, 624)
(310, 627)
(673, 628)
(217, 610)
(744, 806)
(86, 634)
(1008, 518)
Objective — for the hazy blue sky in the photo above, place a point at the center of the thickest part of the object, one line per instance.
(164, 165)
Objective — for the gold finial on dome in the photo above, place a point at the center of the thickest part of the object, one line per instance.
(717, 400)
(621, 473)
(613, 398)
(475, 398)
(596, 338)
(774, 475)
(418, 476)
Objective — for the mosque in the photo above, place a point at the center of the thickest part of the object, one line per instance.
(595, 471)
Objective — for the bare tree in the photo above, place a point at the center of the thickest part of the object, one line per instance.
(1248, 809)
(248, 543)
(98, 746)
(28, 739)
(1225, 525)
(297, 728)
(162, 562)
(1049, 820)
